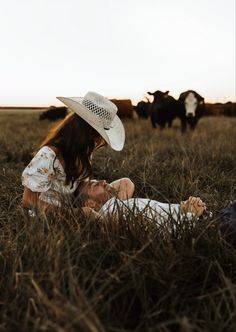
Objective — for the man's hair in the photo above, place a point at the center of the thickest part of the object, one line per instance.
(81, 199)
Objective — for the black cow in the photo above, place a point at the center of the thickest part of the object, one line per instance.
(143, 109)
(163, 109)
(54, 113)
(191, 108)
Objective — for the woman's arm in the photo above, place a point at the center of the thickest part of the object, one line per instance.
(124, 188)
(31, 200)
(37, 177)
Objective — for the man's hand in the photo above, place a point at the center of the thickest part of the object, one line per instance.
(123, 188)
(194, 205)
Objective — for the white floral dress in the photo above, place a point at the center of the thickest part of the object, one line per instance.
(46, 175)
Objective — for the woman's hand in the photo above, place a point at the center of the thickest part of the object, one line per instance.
(194, 205)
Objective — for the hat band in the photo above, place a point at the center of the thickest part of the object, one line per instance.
(103, 116)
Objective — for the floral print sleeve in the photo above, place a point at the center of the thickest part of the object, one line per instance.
(39, 173)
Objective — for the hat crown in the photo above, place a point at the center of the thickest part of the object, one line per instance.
(103, 109)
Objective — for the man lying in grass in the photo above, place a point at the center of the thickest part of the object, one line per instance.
(101, 197)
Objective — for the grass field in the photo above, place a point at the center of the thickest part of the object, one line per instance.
(67, 273)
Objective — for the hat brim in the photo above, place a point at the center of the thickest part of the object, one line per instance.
(114, 136)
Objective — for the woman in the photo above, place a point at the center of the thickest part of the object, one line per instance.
(64, 158)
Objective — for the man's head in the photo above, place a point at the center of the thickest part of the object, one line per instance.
(95, 193)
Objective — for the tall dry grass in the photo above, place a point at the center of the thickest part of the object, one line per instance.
(66, 273)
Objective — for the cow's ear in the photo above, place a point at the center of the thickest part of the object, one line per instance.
(182, 95)
(150, 93)
(166, 93)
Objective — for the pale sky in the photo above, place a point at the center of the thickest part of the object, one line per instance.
(118, 48)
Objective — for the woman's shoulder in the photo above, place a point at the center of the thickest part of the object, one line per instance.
(44, 154)
(55, 152)
(48, 149)
(52, 148)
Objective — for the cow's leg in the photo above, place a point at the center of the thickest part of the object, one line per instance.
(162, 125)
(170, 123)
(183, 125)
(153, 123)
(154, 120)
(192, 126)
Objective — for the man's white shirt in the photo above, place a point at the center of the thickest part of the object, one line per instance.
(148, 208)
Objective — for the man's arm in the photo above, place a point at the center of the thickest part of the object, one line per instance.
(191, 208)
(193, 205)
(124, 188)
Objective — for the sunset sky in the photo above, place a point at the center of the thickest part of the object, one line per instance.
(121, 49)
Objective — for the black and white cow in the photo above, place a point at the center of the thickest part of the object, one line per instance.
(54, 113)
(163, 109)
(191, 108)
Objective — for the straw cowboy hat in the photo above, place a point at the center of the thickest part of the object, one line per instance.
(100, 113)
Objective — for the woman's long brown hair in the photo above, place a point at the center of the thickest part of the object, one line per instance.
(76, 140)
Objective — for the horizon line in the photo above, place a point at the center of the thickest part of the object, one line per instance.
(56, 105)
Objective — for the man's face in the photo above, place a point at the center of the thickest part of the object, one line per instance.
(98, 190)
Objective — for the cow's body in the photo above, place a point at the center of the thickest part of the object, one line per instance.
(191, 108)
(54, 113)
(125, 108)
(163, 109)
(143, 109)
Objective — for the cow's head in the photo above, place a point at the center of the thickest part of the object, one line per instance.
(191, 103)
(160, 99)
(159, 95)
